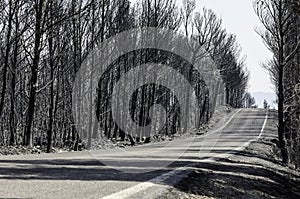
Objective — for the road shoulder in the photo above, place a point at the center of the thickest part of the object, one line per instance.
(255, 172)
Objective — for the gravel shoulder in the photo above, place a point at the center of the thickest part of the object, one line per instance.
(255, 172)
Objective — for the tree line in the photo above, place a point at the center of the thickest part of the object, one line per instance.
(281, 22)
(44, 43)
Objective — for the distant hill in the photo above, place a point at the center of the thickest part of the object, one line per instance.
(261, 96)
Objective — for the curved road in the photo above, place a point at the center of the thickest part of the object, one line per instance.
(134, 172)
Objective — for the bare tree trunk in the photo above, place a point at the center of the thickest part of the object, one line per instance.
(34, 72)
(13, 81)
(6, 58)
(281, 123)
(51, 92)
(91, 107)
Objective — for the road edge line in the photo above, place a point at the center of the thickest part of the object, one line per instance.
(125, 193)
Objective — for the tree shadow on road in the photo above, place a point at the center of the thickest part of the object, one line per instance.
(64, 169)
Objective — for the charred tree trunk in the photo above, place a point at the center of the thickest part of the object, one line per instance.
(34, 72)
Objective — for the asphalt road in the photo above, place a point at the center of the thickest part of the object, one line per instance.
(134, 172)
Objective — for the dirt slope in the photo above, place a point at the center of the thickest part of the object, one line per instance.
(255, 172)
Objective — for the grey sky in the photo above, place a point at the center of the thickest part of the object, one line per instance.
(240, 19)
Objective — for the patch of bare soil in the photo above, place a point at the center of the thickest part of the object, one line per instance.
(18, 150)
(255, 172)
(103, 144)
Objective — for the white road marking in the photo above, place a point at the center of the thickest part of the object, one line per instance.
(241, 148)
(128, 193)
(224, 125)
(264, 125)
